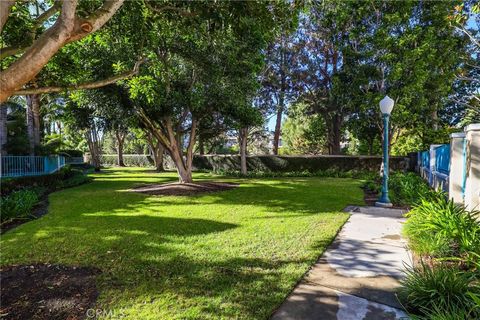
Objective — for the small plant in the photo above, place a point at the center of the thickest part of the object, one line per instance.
(18, 204)
(75, 180)
(440, 293)
(440, 228)
(408, 188)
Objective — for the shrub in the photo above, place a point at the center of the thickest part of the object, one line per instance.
(18, 204)
(440, 293)
(440, 228)
(49, 181)
(329, 173)
(71, 152)
(74, 181)
(408, 188)
(297, 163)
(139, 160)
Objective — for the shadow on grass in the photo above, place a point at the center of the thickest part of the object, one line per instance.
(149, 250)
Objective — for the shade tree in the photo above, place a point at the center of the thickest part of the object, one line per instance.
(201, 65)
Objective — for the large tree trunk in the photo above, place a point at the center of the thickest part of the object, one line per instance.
(30, 125)
(184, 172)
(3, 128)
(157, 150)
(435, 120)
(201, 146)
(334, 134)
(243, 134)
(158, 157)
(120, 140)
(281, 103)
(278, 127)
(172, 142)
(35, 99)
(94, 148)
(5, 6)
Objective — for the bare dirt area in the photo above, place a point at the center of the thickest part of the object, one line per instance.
(184, 189)
(46, 291)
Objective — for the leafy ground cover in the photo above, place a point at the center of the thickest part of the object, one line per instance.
(445, 239)
(25, 198)
(231, 254)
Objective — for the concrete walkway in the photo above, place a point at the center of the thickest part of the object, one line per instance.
(356, 278)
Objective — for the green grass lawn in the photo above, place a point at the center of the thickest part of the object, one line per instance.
(231, 254)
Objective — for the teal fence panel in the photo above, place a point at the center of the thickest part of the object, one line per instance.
(425, 159)
(442, 159)
(23, 166)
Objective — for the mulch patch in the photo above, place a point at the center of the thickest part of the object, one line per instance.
(46, 291)
(184, 189)
(370, 197)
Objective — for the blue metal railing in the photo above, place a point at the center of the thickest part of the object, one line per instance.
(442, 159)
(425, 159)
(435, 166)
(22, 166)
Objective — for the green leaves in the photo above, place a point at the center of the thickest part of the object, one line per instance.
(441, 228)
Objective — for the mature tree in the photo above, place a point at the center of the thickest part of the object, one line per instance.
(205, 64)
(278, 85)
(465, 101)
(303, 133)
(321, 37)
(407, 50)
(82, 115)
(37, 37)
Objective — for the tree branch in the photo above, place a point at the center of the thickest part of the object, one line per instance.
(10, 51)
(95, 21)
(47, 14)
(191, 143)
(14, 50)
(5, 6)
(66, 29)
(83, 86)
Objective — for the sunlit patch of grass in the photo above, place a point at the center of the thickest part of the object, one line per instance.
(231, 254)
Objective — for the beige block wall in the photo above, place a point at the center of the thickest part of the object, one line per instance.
(456, 167)
(472, 187)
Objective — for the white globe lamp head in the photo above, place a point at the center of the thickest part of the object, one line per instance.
(386, 105)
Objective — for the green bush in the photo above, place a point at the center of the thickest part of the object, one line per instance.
(438, 227)
(74, 181)
(71, 152)
(139, 160)
(408, 188)
(18, 204)
(443, 292)
(297, 163)
(50, 181)
(329, 173)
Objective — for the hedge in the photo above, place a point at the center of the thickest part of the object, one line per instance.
(270, 163)
(49, 181)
